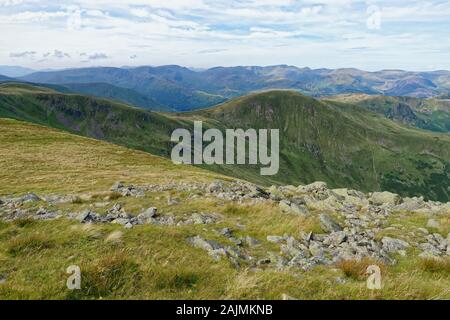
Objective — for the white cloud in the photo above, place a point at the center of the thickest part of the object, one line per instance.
(9, 3)
(139, 12)
(320, 33)
(23, 54)
(31, 16)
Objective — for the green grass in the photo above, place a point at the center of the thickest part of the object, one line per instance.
(430, 114)
(46, 160)
(341, 144)
(151, 261)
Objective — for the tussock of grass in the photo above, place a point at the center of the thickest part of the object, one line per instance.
(24, 222)
(28, 244)
(234, 210)
(180, 280)
(108, 275)
(114, 196)
(243, 286)
(77, 200)
(436, 265)
(357, 269)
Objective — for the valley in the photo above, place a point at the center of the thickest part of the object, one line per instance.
(342, 144)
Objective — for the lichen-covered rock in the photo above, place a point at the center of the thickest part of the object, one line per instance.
(393, 245)
(293, 208)
(389, 198)
(328, 224)
(147, 216)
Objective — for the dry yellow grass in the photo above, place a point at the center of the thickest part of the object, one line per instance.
(36, 158)
(151, 261)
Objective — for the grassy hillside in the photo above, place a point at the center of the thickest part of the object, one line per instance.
(142, 80)
(344, 144)
(97, 118)
(155, 261)
(44, 159)
(108, 91)
(429, 114)
(341, 144)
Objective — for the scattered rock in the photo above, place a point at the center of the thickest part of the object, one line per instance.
(389, 198)
(29, 197)
(285, 205)
(263, 261)
(227, 232)
(87, 216)
(429, 251)
(251, 242)
(393, 245)
(257, 192)
(128, 225)
(284, 296)
(217, 251)
(117, 186)
(200, 218)
(410, 204)
(317, 186)
(121, 221)
(201, 243)
(294, 208)
(336, 238)
(147, 216)
(43, 214)
(328, 224)
(216, 186)
(360, 218)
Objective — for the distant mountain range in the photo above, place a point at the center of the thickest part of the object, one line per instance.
(342, 144)
(5, 78)
(15, 71)
(184, 89)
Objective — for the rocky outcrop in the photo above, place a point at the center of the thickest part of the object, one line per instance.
(328, 224)
(354, 225)
(385, 198)
(217, 250)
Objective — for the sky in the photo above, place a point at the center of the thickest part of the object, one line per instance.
(369, 35)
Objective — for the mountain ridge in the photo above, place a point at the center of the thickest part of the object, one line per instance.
(344, 145)
(184, 89)
(430, 114)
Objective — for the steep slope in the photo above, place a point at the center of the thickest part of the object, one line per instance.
(431, 114)
(179, 232)
(142, 80)
(43, 159)
(88, 116)
(344, 144)
(108, 91)
(341, 144)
